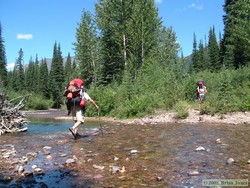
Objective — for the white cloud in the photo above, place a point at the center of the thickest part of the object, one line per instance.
(196, 6)
(24, 36)
(10, 66)
(158, 1)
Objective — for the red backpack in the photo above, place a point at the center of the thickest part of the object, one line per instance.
(72, 94)
(74, 88)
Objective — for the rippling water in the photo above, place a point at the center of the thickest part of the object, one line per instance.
(166, 154)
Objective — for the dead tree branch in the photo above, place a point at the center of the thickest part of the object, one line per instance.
(11, 119)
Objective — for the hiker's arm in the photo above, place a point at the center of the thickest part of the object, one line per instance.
(93, 103)
(198, 90)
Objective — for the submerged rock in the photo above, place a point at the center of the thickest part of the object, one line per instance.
(19, 169)
(218, 141)
(70, 161)
(116, 158)
(200, 148)
(230, 161)
(193, 173)
(5, 179)
(116, 169)
(159, 178)
(38, 170)
(98, 167)
(46, 150)
(133, 152)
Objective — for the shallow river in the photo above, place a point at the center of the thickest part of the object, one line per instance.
(124, 156)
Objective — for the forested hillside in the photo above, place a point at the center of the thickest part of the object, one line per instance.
(132, 63)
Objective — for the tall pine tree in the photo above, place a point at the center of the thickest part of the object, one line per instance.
(86, 48)
(128, 35)
(3, 60)
(56, 77)
(143, 29)
(167, 49)
(201, 57)
(112, 17)
(29, 76)
(18, 73)
(235, 48)
(44, 79)
(195, 56)
(36, 76)
(213, 51)
(68, 69)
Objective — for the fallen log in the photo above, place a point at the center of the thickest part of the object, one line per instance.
(12, 120)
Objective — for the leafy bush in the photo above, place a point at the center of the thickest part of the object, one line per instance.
(37, 102)
(138, 106)
(104, 97)
(181, 107)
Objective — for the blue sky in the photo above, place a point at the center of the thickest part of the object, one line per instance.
(35, 25)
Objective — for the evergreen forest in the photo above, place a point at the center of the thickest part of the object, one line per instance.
(133, 66)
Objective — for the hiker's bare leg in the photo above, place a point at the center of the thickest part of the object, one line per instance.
(78, 118)
(76, 126)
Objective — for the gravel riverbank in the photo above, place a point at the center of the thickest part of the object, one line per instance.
(159, 117)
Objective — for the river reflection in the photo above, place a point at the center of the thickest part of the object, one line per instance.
(49, 126)
(166, 155)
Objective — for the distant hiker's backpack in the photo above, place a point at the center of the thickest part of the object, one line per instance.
(200, 82)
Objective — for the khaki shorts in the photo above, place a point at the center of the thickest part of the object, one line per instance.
(201, 97)
(77, 113)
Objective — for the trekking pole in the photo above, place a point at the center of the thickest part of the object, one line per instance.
(100, 121)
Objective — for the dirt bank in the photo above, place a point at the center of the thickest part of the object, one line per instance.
(158, 117)
(195, 117)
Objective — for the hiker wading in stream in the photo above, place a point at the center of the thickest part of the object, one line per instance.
(76, 100)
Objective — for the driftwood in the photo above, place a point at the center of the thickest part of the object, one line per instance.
(11, 119)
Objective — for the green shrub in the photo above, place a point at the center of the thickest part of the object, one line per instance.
(181, 107)
(104, 97)
(37, 102)
(138, 106)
